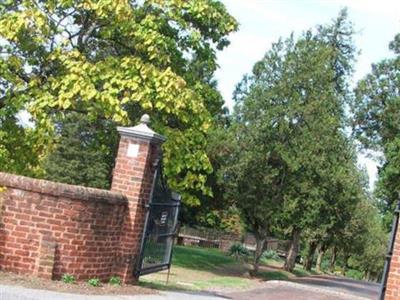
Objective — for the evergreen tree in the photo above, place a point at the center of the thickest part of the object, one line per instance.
(365, 241)
(288, 123)
(376, 109)
(84, 152)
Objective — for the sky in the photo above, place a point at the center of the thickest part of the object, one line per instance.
(262, 22)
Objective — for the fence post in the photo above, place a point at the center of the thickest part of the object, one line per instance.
(138, 153)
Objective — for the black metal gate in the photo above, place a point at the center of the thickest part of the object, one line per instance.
(160, 228)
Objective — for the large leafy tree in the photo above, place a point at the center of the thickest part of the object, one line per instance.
(288, 123)
(115, 60)
(376, 110)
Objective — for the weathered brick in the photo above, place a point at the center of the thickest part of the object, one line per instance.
(49, 228)
(393, 281)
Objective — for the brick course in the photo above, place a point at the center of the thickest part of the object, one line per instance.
(393, 281)
(49, 229)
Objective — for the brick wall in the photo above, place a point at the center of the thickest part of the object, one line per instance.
(49, 229)
(393, 281)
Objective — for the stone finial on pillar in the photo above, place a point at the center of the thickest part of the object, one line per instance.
(139, 149)
(142, 131)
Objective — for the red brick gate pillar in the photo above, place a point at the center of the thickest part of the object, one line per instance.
(392, 290)
(139, 151)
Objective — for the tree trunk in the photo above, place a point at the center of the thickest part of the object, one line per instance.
(294, 248)
(344, 269)
(367, 275)
(260, 242)
(321, 252)
(310, 255)
(333, 260)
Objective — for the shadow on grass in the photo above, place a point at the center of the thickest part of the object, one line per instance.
(298, 272)
(213, 260)
(228, 271)
(273, 275)
(275, 272)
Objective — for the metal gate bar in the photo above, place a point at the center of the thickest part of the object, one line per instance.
(156, 222)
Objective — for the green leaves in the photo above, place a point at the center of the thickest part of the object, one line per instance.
(291, 166)
(117, 60)
(376, 124)
(83, 153)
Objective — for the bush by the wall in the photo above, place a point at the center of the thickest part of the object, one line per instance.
(94, 282)
(270, 254)
(238, 251)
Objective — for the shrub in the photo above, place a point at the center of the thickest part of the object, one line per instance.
(238, 251)
(67, 278)
(270, 254)
(94, 282)
(115, 280)
(354, 274)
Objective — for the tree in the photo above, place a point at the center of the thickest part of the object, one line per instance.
(287, 126)
(251, 176)
(215, 211)
(376, 124)
(347, 187)
(363, 242)
(115, 60)
(258, 169)
(20, 147)
(84, 153)
(325, 97)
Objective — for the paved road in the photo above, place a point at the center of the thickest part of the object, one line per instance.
(20, 293)
(358, 288)
(309, 288)
(312, 288)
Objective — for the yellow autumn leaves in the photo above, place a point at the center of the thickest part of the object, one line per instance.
(103, 58)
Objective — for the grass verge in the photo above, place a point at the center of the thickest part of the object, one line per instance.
(195, 268)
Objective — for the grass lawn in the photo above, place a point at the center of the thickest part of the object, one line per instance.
(196, 268)
(200, 258)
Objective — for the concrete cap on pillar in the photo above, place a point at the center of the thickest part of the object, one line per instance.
(142, 131)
